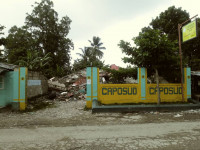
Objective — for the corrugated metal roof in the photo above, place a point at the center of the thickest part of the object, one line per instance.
(195, 73)
(8, 66)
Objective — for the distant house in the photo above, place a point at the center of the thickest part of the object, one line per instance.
(195, 76)
(114, 67)
(13, 86)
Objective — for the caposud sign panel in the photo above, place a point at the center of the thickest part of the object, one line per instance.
(141, 92)
(165, 90)
(131, 93)
(115, 92)
(168, 92)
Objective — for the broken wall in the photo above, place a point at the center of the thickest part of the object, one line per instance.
(37, 84)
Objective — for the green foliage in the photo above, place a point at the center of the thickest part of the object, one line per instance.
(45, 33)
(18, 42)
(34, 62)
(60, 72)
(80, 64)
(118, 76)
(51, 33)
(2, 42)
(1, 28)
(90, 56)
(167, 22)
(156, 47)
(152, 50)
(84, 61)
(85, 55)
(96, 47)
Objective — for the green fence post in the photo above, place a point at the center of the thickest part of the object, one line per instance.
(95, 83)
(143, 83)
(20, 88)
(23, 88)
(89, 87)
(92, 85)
(188, 82)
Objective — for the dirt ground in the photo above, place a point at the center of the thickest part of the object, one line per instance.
(61, 117)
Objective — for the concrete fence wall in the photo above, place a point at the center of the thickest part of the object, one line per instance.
(36, 85)
(142, 92)
(18, 85)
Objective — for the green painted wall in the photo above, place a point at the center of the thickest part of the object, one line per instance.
(2, 91)
(14, 91)
(6, 94)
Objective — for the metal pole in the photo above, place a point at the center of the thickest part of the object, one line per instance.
(188, 20)
(180, 54)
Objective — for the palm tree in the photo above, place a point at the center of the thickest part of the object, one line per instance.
(91, 55)
(84, 60)
(96, 47)
(86, 54)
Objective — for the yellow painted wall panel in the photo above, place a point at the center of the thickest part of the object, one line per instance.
(118, 93)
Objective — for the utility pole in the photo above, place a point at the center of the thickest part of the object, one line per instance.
(180, 53)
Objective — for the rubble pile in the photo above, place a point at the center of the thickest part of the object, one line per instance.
(73, 86)
(70, 87)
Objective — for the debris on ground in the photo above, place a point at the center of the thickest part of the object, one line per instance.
(70, 87)
(130, 80)
(177, 115)
(55, 84)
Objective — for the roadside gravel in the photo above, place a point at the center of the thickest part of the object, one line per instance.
(72, 113)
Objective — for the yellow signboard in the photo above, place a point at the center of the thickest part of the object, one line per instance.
(118, 93)
(189, 31)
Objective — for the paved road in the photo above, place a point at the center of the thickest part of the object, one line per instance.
(173, 135)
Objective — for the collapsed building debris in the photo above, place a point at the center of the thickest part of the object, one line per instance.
(73, 86)
(70, 87)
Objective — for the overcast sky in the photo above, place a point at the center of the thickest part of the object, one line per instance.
(111, 20)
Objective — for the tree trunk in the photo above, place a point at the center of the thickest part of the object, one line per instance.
(158, 89)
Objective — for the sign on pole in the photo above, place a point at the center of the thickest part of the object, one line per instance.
(189, 31)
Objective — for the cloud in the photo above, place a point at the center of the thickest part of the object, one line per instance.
(90, 16)
(192, 6)
(121, 29)
(111, 20)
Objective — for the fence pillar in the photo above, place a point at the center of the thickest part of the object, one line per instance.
(187, 81)
(92, 85)
(142, 78)
(20, 88)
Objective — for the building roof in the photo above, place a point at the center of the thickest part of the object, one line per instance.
(114, 67)
(7, 67)
(195, 73)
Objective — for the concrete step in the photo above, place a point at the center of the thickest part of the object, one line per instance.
(97, 107)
